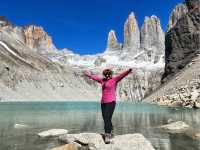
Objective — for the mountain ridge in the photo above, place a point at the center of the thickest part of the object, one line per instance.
(148, 59)
(182, 73)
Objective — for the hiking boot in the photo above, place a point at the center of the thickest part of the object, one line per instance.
(112, 134)
(107, 138)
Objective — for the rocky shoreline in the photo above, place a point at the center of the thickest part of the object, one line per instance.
(185, 96)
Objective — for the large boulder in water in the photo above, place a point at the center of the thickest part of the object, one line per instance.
(119, 142)
(176, 127)
(52, 133)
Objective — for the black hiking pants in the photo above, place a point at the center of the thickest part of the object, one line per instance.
(107, 112)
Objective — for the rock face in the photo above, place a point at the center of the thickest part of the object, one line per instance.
(94, 141)
(179, 11)
(36, 37)
(152, 38)
(4, 22)
(192, 4)
(113, 42)
(181, 77)
(27, 75)
(131, 34)
(183, 40)
(146, 45)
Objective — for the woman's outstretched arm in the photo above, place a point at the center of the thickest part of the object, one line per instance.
(122, 75)
(93, 77)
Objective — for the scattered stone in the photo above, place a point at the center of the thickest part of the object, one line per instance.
(52, 133)
(20, 126)
(170, 120)
(186, 96)
(197, 105)
(194, 95)
(176, 127)
(176, 104)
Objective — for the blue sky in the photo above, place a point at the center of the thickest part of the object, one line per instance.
(83, 25)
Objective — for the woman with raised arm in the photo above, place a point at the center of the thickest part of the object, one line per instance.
(108, 99)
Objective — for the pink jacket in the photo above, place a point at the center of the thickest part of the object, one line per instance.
(109, 86)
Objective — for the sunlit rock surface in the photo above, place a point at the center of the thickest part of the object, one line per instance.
(120, 142)
(179, 11)
(131, 34)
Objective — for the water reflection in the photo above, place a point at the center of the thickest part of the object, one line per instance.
(86, 117)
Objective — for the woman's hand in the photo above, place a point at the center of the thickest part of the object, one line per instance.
(132, 69)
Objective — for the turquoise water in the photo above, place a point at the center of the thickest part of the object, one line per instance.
(86, 117)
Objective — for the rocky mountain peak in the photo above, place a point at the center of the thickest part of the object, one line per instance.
(132, 22)
(112, 43)
(131, 34)
(176, 14)
(36, 37)
(4, 21)
(152, 38)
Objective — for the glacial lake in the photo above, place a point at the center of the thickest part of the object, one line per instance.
(86, 117)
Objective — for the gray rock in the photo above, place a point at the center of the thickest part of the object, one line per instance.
(112, 43)
(152, 39)
(119, 142)
(4, 21)
(21, 126)
(131, 34)
(36, 37)
(176, 104)
(100, 60)
(183, 40)
(179, 11)
(170, 120)
(191, 4)
(52, 133)
(128, 142)
(83, 138)
(176, 127)
(197, 105)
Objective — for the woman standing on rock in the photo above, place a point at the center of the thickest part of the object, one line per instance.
(108, 99)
